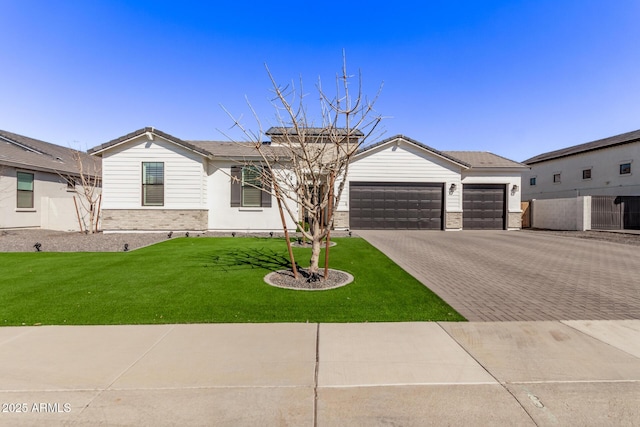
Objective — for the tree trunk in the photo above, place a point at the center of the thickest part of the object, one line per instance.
(315, 252)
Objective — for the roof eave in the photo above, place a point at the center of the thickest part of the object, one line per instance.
(542, 157)
(499, 168)
(26, 166)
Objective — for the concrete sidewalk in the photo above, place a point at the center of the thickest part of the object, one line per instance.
(411, 374)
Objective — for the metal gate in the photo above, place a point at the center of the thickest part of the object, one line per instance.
(615, 212)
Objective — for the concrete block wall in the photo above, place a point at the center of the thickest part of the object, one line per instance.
(562, 214)
(154, 219)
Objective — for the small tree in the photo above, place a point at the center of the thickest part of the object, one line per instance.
(306, 164)
(86, 186)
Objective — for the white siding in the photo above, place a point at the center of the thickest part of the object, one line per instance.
(223, 217)
(404, 162)
(184, 175)
(476, 176)
(605, 174)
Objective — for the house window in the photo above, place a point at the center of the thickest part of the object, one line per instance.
(152, 184)
(251, 186)
(625, 168)
(532, 181)
(586, 173)
(248, 188)
(556, 177)
(71, 183)
(25, 190)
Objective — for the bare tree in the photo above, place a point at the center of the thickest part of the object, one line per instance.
(307, 162)
(86, 185)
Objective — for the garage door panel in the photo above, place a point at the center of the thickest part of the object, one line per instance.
(395, 205)
(483, 206)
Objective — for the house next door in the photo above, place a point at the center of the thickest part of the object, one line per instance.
(483, 206)
(392, 205)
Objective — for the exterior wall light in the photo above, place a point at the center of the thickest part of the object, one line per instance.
(452, 188)
(514, 189)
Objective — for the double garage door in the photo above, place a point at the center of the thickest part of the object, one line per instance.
(420, 206)
(391, 205)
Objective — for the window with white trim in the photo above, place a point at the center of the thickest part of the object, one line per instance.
(152, 183)
(25, 190)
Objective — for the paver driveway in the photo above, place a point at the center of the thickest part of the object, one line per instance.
(519, 275)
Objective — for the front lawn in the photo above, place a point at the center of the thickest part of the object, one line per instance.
(206, 280)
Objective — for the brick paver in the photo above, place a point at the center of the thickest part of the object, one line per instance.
(519, 275)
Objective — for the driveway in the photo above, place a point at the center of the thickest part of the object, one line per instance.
(519, 275)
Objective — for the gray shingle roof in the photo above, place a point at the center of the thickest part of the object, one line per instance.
(235, 150)
(209, 149)
(612, 141)
(484, 159)
(239, 150)
(29, 153)
(314, 131)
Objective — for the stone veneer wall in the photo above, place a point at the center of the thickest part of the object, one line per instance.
(341, 220)
(154, 219)
(453, 220)
(514, 220)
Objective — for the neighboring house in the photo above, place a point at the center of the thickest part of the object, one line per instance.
(37, 183)
(155, 181)
(606, 167)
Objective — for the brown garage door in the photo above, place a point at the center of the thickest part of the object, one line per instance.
(483, 206)
(391, 205)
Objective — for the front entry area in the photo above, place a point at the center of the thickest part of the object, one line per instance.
(392, 205)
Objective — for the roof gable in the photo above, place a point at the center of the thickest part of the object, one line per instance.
(411, 141)
(612, 141)
(151, 132)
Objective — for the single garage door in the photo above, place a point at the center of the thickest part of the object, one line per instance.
(483, 206)
(392, 205)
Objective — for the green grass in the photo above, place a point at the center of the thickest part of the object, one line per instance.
(206, 280)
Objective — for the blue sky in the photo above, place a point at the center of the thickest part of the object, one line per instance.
(516, 78)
